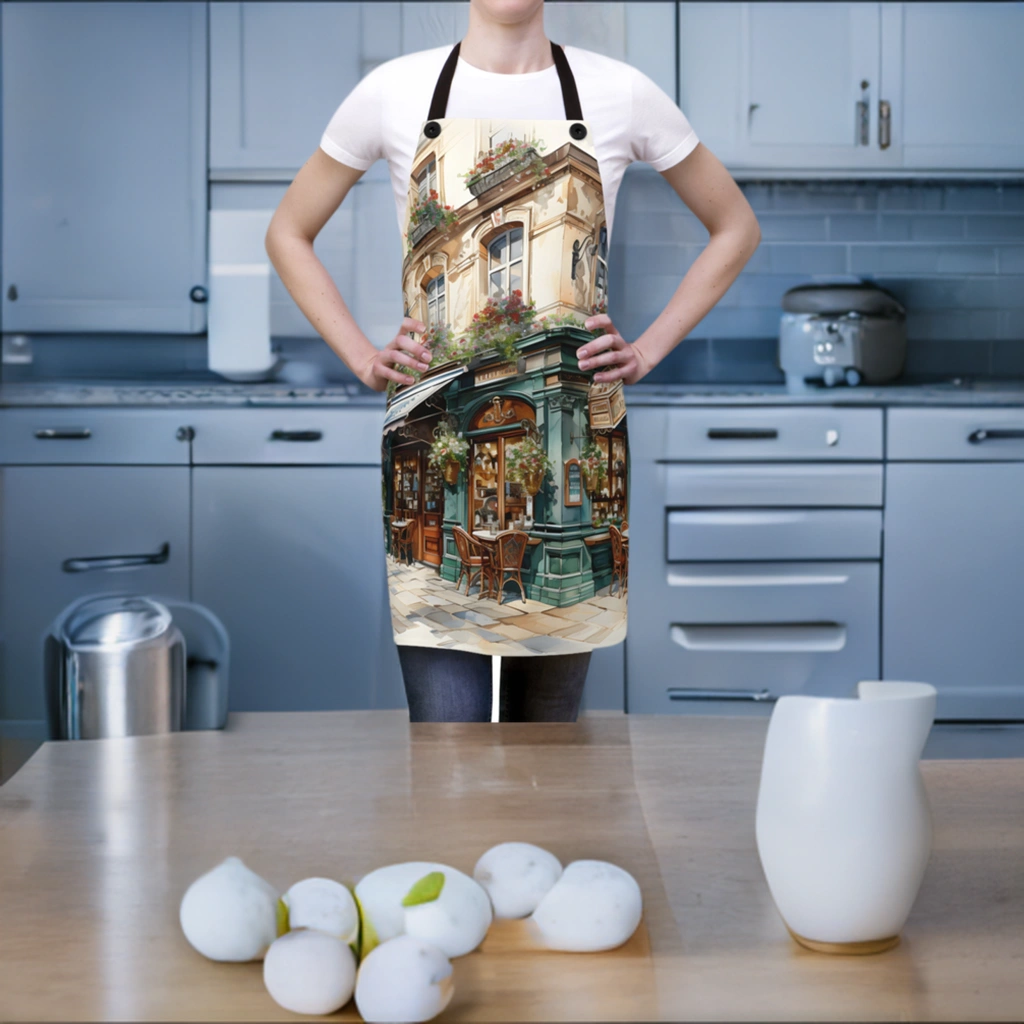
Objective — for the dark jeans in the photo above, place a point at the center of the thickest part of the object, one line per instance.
(445, 685)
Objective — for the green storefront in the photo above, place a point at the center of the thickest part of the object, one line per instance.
(492, 402)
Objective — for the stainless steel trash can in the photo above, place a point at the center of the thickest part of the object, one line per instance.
(122, 670)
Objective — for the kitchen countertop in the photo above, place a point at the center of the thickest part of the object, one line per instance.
(354, 394)
(101, 839)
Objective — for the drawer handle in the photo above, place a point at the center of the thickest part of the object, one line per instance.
(681, 693)
(297, 435)
(995, 435)
(63, 433)
(761, 638)
(116, 561)
(742, 434)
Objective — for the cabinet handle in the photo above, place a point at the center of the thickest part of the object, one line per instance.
(861, 123)
(884, 124)
(686, 693)
(64, 433)
(116, 561)
(297, 435)
(742, 434)
(995, 435)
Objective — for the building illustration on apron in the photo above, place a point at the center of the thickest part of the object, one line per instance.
(506, 467)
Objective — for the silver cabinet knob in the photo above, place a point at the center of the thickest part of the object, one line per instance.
(832, 438)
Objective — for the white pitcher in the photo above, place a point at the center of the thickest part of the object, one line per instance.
(843, 823)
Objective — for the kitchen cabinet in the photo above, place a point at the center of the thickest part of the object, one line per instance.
(855, 87)
(71, 530)
(279, 70)
(953, 590)
(287, 550)
(104, 166)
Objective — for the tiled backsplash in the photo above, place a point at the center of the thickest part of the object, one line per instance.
(952, 252)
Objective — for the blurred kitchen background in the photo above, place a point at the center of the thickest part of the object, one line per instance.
(144, 147)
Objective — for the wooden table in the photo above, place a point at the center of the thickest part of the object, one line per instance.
(99, 839)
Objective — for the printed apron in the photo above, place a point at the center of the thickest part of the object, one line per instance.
(505, 466)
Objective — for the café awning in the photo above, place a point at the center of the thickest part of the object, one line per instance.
(404, 403)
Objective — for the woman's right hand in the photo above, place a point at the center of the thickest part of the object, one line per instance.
(402, 349)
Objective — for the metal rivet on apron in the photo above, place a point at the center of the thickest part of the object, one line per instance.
(577, 130)
(432, 129)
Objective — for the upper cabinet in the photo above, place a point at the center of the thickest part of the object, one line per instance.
(279, 70)
(855, 87)
(104, 166)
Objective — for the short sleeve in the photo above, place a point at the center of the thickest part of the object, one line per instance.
(353, 135)
(660, 134)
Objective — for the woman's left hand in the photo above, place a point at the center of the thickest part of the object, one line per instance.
(610, 353)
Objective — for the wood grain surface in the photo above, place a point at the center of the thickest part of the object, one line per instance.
(100, 839)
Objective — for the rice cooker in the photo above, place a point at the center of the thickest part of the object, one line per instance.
(836, 333)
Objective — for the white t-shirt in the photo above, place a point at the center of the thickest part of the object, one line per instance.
(630, 116)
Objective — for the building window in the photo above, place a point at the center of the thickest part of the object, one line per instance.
(435, 302)
(505, 263)
(426, 181)
(601, 269)
(500, 136)
(609, 504)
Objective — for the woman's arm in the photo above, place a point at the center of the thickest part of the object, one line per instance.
(707, 188)
(312, 198)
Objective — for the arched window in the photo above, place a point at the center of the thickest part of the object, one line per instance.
(505, 263)
(435, 301)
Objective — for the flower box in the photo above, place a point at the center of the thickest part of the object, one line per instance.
(503, 171)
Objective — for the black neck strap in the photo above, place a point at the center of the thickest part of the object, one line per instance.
(570, 97)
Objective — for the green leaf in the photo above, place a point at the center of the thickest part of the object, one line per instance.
(426, 890)
(367, 939)
(283, 924)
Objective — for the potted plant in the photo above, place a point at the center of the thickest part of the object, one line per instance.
(501, 323)
(449, 453)
(501, 162)
(592, 466)
(527, 462)
(427, 214)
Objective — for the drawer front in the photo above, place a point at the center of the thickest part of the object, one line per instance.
(767, 486)
(713, 635)
(82, 436)
(348, 437)
(773, 534)
(985, 434)
(768, 433)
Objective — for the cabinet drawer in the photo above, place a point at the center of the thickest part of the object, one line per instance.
(82, 436)
(347, 437)
(985, 434)
(763, 433)
(745, 634)
(766, 486)
(773, 534)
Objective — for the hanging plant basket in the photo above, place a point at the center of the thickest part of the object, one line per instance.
(451, 471)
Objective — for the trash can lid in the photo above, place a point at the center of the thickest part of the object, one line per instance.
(116, 621)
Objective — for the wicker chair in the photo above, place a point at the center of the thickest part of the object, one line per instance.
(620, 560)
(509, 549)
(473, 560)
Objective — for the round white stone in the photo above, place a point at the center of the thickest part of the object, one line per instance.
(230, 913)
(403, 980)
(517, 876)
(593, 906)
(307, 971)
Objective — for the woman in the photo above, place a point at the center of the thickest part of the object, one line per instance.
(506, 153)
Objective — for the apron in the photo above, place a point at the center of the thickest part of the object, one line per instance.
(505, 466)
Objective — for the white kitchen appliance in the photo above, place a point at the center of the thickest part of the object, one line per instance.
(238, 320)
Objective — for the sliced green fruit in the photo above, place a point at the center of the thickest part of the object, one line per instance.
(282, 917)
(426, 890)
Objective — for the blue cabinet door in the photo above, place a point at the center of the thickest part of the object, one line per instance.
(953, 585)
(104, 166)
(291, 559)
(61, 527)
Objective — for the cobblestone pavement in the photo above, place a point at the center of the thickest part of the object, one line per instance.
(429, 611)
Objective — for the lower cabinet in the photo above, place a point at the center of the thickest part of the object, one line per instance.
(953, 594)
(290, 558)
(69, 531)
